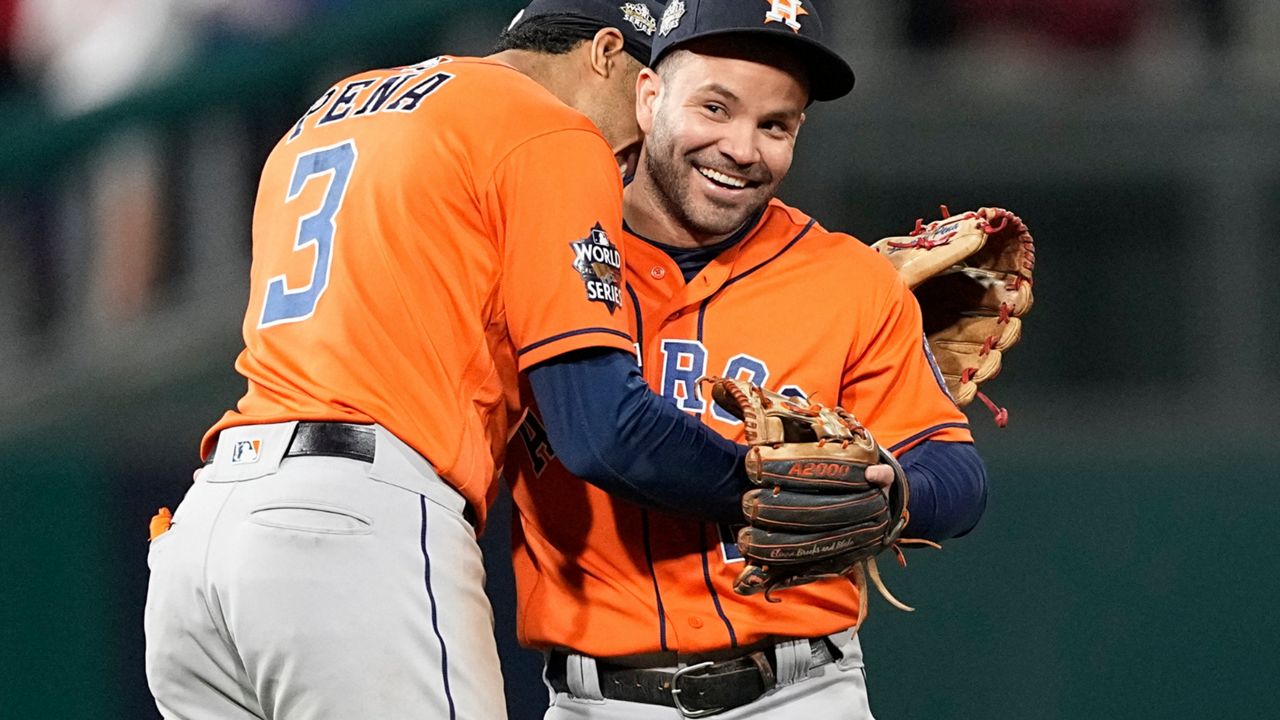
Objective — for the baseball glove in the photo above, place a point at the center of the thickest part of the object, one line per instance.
(813, 513)
(972, 276)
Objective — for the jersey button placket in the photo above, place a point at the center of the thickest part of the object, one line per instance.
(695, 622)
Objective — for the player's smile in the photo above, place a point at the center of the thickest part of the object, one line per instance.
(731, 194)
(722, 179)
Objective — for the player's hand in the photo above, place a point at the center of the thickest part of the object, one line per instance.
(881, 476)
(827, 499)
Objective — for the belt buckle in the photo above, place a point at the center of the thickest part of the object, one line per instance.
(675, 692)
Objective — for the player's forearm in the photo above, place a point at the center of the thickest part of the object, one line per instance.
(608, 428)
(948, 489)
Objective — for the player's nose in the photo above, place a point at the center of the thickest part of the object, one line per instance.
(738, 143)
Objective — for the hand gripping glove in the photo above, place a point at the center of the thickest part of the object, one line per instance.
(971, 274)
(813, 514)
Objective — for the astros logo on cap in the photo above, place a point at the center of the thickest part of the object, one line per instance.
(785, 11)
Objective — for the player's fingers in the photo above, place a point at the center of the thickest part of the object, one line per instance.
(880, 475)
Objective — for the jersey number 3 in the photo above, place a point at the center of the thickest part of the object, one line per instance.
(286, 305)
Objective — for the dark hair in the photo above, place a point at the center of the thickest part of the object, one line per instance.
(670, 61)
(551, 34)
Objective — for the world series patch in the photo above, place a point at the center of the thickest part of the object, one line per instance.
(599, 263)
(640, 18)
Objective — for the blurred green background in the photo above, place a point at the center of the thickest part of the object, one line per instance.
(1125, 567)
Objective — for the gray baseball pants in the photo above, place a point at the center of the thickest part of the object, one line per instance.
(317, 588)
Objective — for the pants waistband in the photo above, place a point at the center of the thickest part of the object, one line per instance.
(247, 452)
(697, 689)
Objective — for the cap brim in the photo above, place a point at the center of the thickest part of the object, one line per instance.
(830, 77)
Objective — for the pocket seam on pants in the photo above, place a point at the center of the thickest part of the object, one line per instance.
(256, 517)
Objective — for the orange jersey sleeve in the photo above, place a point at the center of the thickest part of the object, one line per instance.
(414, 247)
(562, 265)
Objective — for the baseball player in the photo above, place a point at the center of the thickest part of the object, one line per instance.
(422, 235)
(636, 608)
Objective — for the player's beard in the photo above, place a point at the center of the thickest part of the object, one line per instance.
(706, 220)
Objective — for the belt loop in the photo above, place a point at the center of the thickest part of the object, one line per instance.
(793, 657)
(582, 677)
(248, 452)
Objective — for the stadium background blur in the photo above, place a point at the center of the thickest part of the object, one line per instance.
(1125, 567)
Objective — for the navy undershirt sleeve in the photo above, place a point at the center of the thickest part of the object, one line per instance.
(948, 489)
(607, 427)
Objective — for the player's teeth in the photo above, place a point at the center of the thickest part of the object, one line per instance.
(722, 178)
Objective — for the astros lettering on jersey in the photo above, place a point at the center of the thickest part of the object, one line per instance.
(487, 245)
(606, 578)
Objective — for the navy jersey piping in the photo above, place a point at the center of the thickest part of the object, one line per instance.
(702, 309)
(715, 597)
(653, 575)
(639, 338)
(926, 433)
(571, 333)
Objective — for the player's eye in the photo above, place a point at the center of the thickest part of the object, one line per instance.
(714, 108)
(776, 128)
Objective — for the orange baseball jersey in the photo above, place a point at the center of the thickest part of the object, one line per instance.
(793, 307)
(420, 236)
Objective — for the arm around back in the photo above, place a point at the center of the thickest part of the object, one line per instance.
(607, 427)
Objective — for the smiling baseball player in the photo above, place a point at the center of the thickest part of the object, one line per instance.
(637, 609)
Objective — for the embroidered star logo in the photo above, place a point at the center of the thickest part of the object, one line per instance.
(787, 12)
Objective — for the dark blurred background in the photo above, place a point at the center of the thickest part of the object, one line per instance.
(1125, 568)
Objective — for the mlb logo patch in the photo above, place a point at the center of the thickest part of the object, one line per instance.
(246, 451)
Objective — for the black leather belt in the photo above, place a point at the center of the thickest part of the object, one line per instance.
(697, 689)
(333, 439)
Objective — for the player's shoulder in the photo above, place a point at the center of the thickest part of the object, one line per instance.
(500, 93)
(839, 251)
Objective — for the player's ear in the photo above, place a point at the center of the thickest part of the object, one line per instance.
(648, 87)
(606, 52)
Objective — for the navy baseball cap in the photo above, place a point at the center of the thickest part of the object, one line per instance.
(792, 21)
(636, 19)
